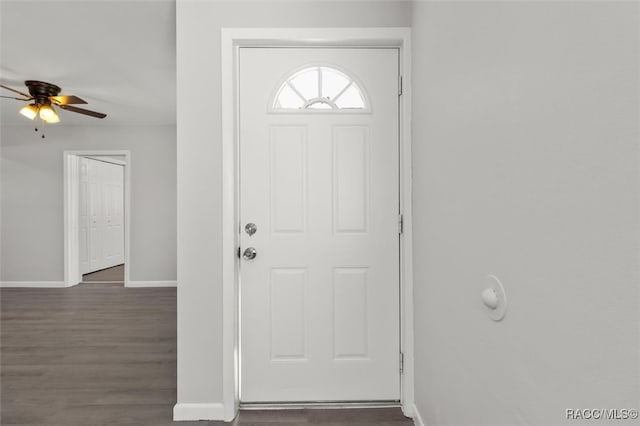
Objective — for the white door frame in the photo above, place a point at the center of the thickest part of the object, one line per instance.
(71, 179)
(234, 38)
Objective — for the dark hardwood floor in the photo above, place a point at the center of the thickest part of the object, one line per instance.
(89, 354)
(113, 274)
(101, 354)
(324, 417)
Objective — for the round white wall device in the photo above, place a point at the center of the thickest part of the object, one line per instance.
(494, 298)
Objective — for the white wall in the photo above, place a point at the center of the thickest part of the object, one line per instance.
(525, 144)
(199, 164)
(32, 198)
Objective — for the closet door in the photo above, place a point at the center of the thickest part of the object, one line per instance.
(114, 213)
(96, 215)
(103, 200)
(84, 217)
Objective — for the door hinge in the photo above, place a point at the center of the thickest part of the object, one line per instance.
(401, 363)
(399, 85)
(400, 224)
(238, 253)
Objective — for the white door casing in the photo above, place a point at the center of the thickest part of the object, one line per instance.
(320, 302)
(72, 160)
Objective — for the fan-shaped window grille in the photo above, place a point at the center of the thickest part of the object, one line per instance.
(319, 88)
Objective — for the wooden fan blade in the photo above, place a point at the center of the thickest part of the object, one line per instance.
(83, 111)
(66, 99)
(17, 99)
(16, 91)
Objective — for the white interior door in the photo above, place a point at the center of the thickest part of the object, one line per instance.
(113, 192)
(96, 216)
(104, 198)
(319, 179)
(83, 217)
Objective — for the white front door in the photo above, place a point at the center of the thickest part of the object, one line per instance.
(319, 179)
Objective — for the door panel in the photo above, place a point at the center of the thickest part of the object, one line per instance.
(320, 301)
(350, 322)
(288, 301)
(105, 202)
(114, 194)
(84, 216)
(288, 196)
(96, 216)
(350, 178)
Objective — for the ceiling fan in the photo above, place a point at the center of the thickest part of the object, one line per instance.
(45, 96)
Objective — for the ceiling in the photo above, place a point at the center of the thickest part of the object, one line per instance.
(119, 56)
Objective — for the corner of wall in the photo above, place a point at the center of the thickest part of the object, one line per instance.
(417, 418)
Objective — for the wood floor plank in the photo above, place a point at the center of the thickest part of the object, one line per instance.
(113, 274)
(98, 354)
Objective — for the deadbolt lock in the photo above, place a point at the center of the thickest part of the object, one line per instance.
(251, 228)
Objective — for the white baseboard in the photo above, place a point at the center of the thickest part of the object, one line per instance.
(32, 284)
(152, 284)
(417, 418)
(192, 412)
(61, 284)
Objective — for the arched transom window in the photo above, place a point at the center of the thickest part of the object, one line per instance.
(319, 88)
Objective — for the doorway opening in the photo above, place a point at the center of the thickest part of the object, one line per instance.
(232, 42)
(96, 217)
(111, 275)
(319, 204)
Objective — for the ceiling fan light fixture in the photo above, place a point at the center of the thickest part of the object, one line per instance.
(30, 111)
(48, 114)
(54, 119)
(44, 96)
